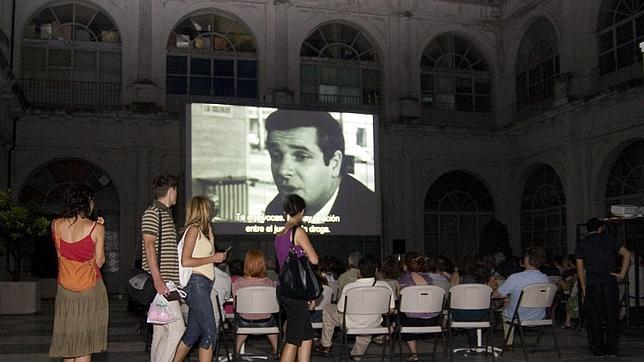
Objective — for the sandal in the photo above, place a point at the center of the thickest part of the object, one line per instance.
(413, 357)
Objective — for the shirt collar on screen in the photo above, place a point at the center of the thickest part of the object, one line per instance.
(319, 216)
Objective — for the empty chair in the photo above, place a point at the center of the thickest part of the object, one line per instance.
(421, 299)
(367, 301)
(534, 296)
(255, 300)
(466, 299)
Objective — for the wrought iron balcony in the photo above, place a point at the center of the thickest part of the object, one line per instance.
(72, 93)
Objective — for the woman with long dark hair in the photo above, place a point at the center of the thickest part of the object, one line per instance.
(299, 332)
(81, 311)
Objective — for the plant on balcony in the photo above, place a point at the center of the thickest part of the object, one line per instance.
(21, 227)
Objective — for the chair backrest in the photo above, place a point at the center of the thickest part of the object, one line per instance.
(257, 300)
(334, 287)
(367, 300)
(554, 279)
(444, 284)
(326, 298)
(470, 296)
(421, 299)
(538, 295)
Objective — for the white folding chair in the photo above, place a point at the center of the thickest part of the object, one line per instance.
(422, 299)
(255, 300)
(470, 297)
(534, 296)
(325, 299)
(222, 327)
(367, 301)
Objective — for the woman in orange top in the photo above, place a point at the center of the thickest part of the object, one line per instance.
(81, 312)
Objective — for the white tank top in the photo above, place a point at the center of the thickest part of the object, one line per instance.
(204, 248)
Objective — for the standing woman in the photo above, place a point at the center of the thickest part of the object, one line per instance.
(81, 311)
(199, 254)
(299, 333)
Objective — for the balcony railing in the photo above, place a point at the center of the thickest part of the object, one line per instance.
(525, 111)
(445, 114)
(72, 93)
(339, 101)
(619, 77)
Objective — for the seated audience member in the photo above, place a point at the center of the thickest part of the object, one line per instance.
(512, 287)
(222, 287)
(390, 272)
(415, 275)
(351, 275)
(235, 270)
(331, 317)
(506, 267)
(476, 272)
(271, 269)
(254, 276)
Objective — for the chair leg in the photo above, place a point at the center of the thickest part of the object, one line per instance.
(449, 345)
(491, 342)
(525, 353)
(554, 338)
(400, 353)
(539, 336)
(435, 345)
(444, 345)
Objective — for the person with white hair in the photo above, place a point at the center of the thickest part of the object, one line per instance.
(352, 274)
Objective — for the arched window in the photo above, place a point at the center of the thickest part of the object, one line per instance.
(537, 65)
(457, 207)
(71, 55)
(454, 76)
(211, 56)
(626, 180)
(46, 187)
(339, 66)
(543, 211)
(621, 29)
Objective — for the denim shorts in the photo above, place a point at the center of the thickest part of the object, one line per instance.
(201, 317)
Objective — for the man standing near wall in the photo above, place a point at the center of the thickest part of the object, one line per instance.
(596, 256)
(163, 269)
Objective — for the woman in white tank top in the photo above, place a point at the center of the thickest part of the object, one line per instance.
(199, 254)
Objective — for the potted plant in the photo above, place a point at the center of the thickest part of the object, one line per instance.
(21, 227)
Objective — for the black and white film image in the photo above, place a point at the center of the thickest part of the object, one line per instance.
(246, 159)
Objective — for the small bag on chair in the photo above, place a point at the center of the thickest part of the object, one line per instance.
(297, 278)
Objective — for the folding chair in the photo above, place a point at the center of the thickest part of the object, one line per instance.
(325, 299)
(470, 297)
(422, 299)
(534, 296)
(221, 327)
(367, 301)
(255, 300)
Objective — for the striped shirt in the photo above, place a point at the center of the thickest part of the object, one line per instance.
(169, 256)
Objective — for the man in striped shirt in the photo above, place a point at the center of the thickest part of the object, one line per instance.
(166, 267)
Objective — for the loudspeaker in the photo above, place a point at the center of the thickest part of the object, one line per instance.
(399, 246)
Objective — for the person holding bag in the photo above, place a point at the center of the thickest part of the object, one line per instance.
(299, 333)
(199, 254)
(81, 310)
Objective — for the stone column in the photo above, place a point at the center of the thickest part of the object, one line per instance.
(280, 90)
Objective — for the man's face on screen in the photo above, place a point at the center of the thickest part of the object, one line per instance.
(297, 164)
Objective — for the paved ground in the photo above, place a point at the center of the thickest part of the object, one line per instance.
(27, 337)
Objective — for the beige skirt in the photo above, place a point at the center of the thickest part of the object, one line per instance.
(80, 322)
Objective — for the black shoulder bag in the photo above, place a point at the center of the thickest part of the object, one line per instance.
(297, 278)
(140, 285)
